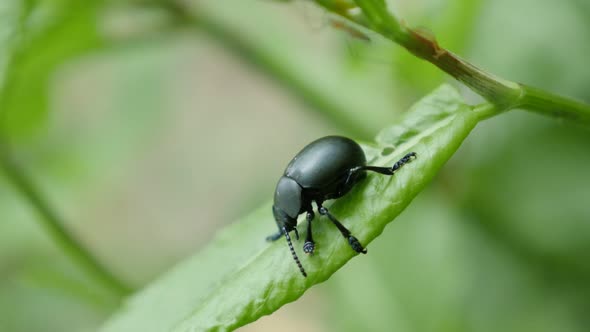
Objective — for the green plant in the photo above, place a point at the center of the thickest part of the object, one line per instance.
(239, 291)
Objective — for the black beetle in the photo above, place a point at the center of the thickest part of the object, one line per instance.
(325, 169)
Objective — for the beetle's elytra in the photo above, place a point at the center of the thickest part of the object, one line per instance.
(325, 169)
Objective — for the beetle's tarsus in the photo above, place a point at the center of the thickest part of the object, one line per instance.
(356, 245)
(309, 247)
(405, 159)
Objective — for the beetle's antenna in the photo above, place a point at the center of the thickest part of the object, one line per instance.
(293, 252)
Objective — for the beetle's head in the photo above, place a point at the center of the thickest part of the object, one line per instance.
(283, 219)
(286, 208)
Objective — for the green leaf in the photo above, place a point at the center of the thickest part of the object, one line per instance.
(239, 277)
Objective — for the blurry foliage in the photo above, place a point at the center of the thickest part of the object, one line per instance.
(58, 30)
(498, 242)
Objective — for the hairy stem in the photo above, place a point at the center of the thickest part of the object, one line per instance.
(373, 15)
(55, 225)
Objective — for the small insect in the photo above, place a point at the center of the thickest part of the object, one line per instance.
(325, 169)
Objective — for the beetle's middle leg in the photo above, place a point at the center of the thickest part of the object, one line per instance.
(309, 245)
(353, 241)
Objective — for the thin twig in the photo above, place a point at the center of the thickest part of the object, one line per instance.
(55, 226)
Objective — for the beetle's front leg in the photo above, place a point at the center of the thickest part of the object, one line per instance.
(309, 245)
(274, 237)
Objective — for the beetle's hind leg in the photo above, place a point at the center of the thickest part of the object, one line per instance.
(390, 170)
(353, 241)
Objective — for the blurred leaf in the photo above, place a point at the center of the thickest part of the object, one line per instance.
(529, 189)
(414, 279)
(43, 293)
(120, 89)
(238, 278)
(48, 33)
(9, 11)
(548, 227)
(435, 269)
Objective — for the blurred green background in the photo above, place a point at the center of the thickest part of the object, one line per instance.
(148, 130)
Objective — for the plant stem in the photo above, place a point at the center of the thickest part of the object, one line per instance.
(503, 93)
(486, 110)
(55, 225)
(547, 103)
